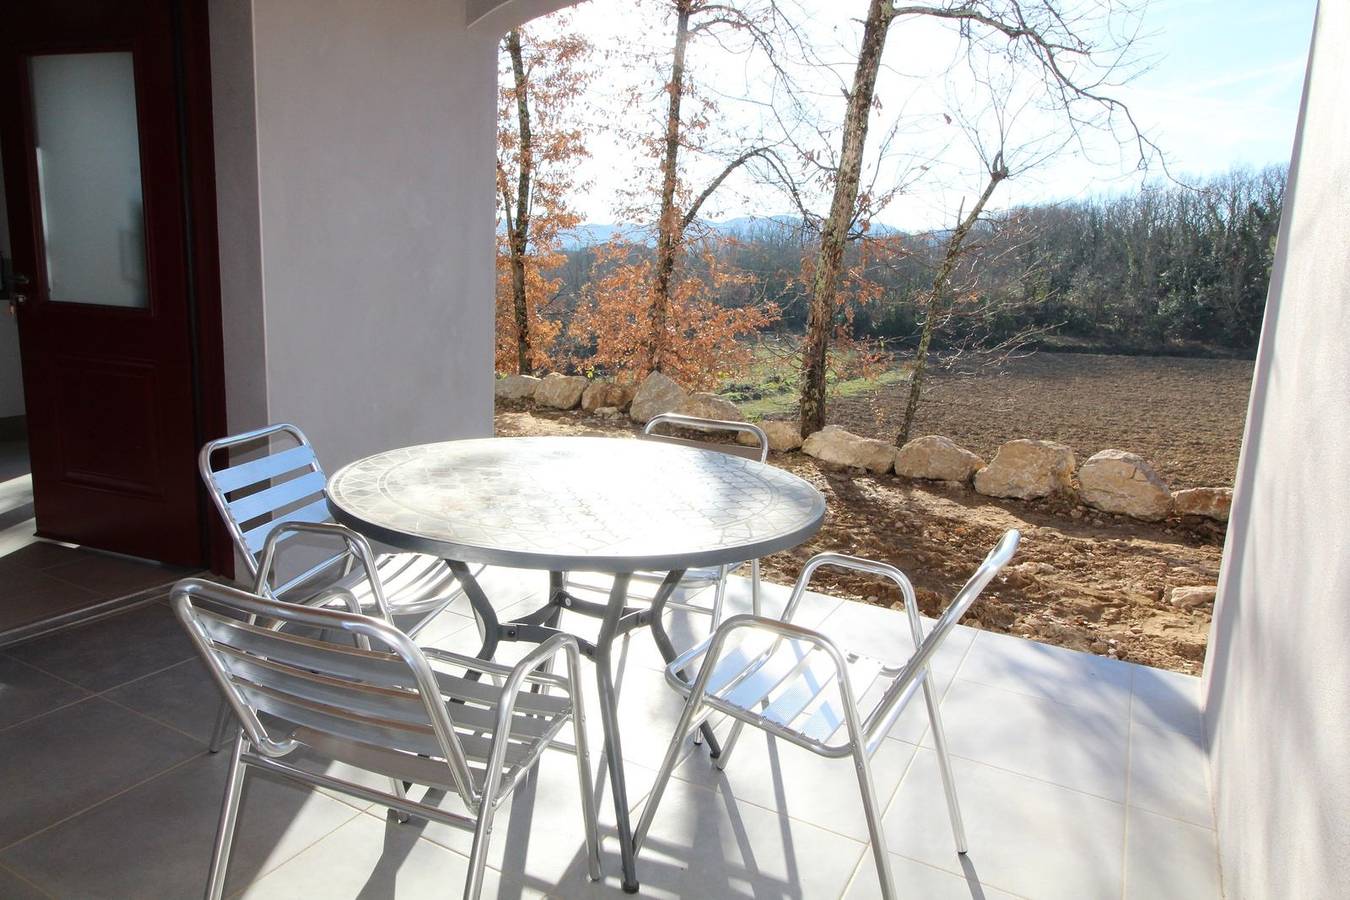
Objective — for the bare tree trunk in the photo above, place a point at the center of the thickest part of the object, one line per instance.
(829, 261)
(670, 230)
(519, 230)
(937, 296)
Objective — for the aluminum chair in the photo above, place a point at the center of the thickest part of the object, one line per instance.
(711, 576)
(268, 500)
(383, 705)
(795, 684)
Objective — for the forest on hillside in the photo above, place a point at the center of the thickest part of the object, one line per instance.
(1176, 268)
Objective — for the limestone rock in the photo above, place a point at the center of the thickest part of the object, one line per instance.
(657, 394)
(560, 391)
(1212, 503)
(833, 444)
(936, 458)
(783, 436)
(515, 387)
(1192, 597)
(1027, 469)
(709, 406)
(1117, 481)
(609, 412)
(606, 393)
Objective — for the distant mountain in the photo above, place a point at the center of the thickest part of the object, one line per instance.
(590, 234)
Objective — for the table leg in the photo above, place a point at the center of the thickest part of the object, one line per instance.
(609, 718)
(488, 625)
(667, 647)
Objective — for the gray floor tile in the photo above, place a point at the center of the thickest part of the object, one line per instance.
(1024, 836)
(60, 763)
(155, 840)
(37, 556)
(34, 596)
(1168, 700)
(12, 887)
(1072, 746)
(182, 696)
(538, 838)
(915, 879)
(703, 844)
(1030, 667)
(369, 858)
(784, 778)
(111, 576)
(1169, 775)
(110, 652)
(26, 692)
(1166, 859)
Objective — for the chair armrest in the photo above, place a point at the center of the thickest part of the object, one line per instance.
(488, 667)
(358, 549)
(713, 646)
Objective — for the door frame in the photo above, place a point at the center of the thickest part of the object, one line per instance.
(192, 60)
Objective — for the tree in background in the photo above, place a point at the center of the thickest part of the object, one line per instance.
(539, 142)
(705, 338)
(1036, 35)
(656, 314)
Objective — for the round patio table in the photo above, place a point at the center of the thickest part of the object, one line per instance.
(562, 504)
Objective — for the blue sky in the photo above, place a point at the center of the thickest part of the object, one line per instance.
(1221, 89)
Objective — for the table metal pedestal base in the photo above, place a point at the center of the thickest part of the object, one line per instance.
(617, 619)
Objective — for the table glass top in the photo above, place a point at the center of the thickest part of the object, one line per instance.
(609, 504)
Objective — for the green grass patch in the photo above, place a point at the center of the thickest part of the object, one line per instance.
(769, 388)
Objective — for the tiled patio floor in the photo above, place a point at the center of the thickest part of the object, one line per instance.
(1080, 777)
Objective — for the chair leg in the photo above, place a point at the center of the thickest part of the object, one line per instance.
(754, 588)
(719, 598)
(482, 835)
(222, 728)
(872, 809)
(588, 811)
(728, 745)
(229, 817)
(401, 792)
(719, 595)
(944, 762)
(691, 709)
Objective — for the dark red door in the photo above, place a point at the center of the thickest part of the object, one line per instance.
(94, 181)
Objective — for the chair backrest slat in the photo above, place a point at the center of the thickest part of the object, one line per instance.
(342, 722)
(317, 511)
(368, 700)
(277, 497)
(256, 471)
(337, 660)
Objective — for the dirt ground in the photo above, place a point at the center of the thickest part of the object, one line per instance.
(1184, 416)
(1081, 579)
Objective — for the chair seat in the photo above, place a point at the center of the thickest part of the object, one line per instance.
(413, 583)
(791, 688)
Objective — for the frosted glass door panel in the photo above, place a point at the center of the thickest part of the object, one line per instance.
(89, 177)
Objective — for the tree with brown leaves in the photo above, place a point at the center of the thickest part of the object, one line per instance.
(540, 140)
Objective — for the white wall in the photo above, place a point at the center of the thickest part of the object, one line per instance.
(11, 378)
(355, 155)
(1278, 673)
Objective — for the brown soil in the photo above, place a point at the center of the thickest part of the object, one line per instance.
(1081, 580)
(1183, 415)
